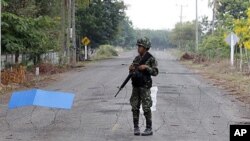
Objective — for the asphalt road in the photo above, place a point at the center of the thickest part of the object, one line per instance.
(188, 107)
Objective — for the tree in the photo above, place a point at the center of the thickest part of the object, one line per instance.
(228, 10)
(183, 35)
(100, 21)
(126, 34)
(214, 4)
(241, 28)
(24, 32)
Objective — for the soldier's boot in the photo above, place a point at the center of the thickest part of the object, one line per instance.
(136, 127)
(148, 131)
(137, 131)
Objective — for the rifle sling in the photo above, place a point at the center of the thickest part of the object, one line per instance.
(145, 58)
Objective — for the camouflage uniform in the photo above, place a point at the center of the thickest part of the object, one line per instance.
(141, 94)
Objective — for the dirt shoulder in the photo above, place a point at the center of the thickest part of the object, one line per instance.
(222, 75)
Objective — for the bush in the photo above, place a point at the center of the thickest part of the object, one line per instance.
(105, 51)
(214, 47)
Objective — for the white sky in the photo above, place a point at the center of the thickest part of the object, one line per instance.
(163, 14)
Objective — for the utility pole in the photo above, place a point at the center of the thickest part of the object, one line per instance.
(181, 21)
(197, 28)
(181, 16)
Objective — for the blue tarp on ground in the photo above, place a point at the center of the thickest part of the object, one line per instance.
(37, 97)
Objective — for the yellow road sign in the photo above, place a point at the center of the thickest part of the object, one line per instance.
(85, 41)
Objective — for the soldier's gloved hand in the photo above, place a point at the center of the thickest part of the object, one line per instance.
(143, 67)
(131, 68)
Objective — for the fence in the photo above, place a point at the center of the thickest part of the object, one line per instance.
(9, 59)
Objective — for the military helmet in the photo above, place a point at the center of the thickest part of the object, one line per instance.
(145, 42)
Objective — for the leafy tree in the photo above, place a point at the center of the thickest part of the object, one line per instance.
(28, 29)
(25, 8)
(27, 35)
(228, 10)
(242, 30)
(49, 8)
(206, 26)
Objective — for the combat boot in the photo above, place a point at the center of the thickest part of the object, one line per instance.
(147, 132)
(136, 127)
(137, 131)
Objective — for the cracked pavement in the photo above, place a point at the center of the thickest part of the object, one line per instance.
(188, 107)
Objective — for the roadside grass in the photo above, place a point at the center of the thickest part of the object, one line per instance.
(222, 75)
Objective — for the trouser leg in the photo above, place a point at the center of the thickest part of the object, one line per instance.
(146, 105)
(135, 102)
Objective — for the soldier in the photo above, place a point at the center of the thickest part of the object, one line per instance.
(142, 83)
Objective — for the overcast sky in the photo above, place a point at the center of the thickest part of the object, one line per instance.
(163, 14)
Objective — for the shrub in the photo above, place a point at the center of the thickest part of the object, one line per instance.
(105, 51)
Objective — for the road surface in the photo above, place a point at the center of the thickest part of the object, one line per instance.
(188, 107)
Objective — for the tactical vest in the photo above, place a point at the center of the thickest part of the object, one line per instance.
(142, 78)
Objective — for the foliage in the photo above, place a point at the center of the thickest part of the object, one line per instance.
(24, 8)
(236, 8)
(126, 36)
(183, 35)
(27, 29)
(228, 10)
(242, 29)
(214, 46)
(205, 26)
(27, 35)
(49, 8)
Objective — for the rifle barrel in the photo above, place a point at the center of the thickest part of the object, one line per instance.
(124, 83)
(118, 92)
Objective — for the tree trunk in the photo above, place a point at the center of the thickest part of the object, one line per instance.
(68, 29)
(74, 32)
(241, 58)
(248, 61)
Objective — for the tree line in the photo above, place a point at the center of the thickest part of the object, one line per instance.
(35, 27)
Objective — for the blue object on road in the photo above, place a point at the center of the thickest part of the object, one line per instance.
(43, 98)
